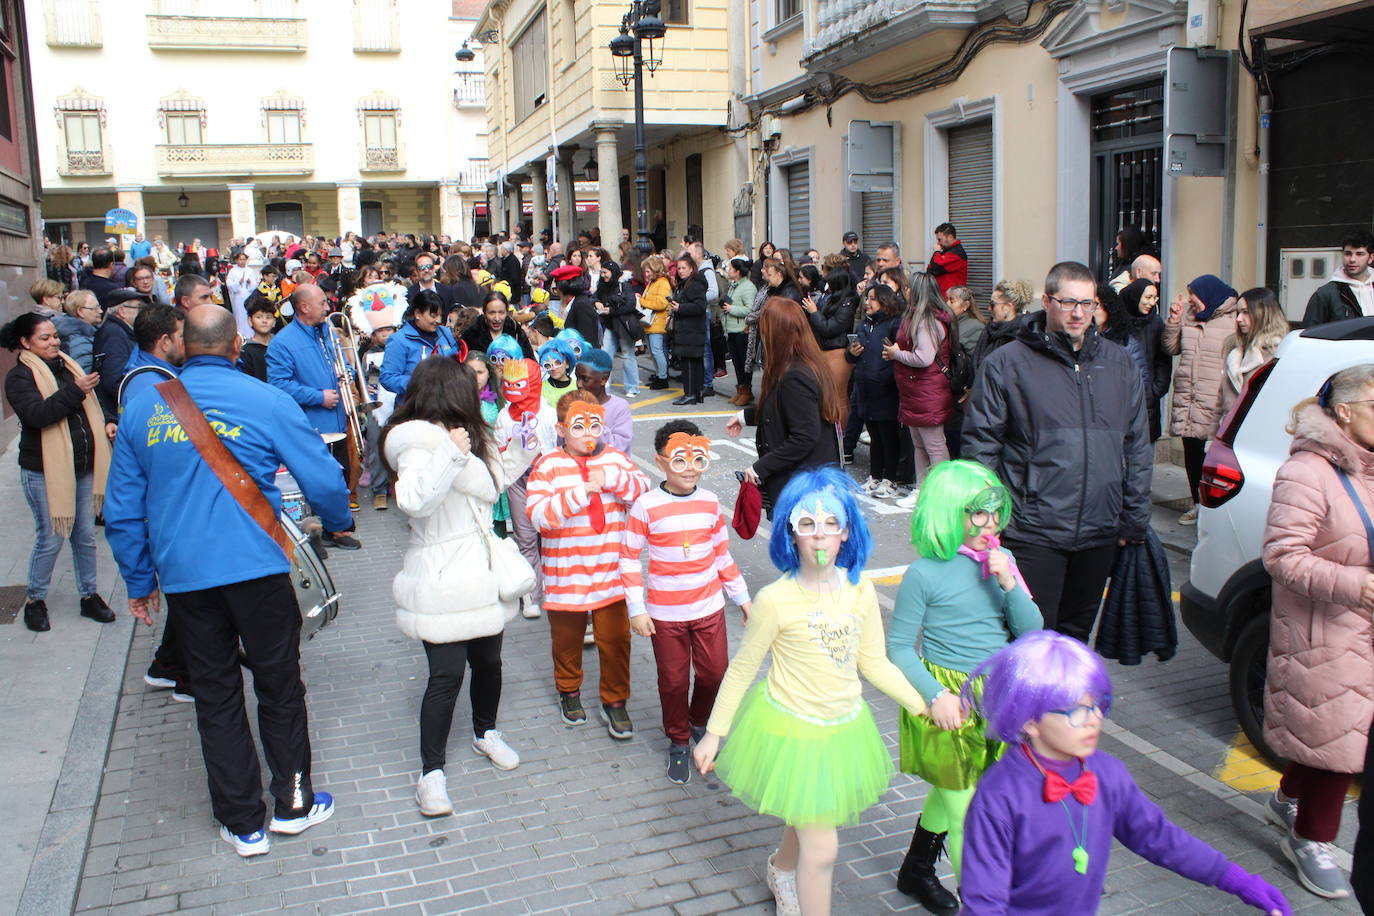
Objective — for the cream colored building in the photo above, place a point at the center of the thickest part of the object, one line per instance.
(1037, 128)
(216, 119)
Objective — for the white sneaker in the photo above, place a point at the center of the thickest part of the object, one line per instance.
(494, 747)
(909, 501)
(868, 486)
(589, 638)
(246, 844)
(1189, 517)
(864, 438)
(631, 395)
(783, 884)
(529, 610)
(885, 490)
(432, 794)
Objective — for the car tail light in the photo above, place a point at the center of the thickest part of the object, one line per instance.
(1222, 477)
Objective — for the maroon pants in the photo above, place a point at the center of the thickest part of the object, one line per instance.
(680, 647)
(1320, 795)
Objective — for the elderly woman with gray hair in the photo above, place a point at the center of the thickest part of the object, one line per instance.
(1319, 550)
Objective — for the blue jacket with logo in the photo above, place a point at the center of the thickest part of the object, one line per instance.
(405, 349)
(171, 523)
(300, 362)
(143, 380)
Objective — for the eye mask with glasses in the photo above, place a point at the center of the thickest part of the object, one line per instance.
(685, 451)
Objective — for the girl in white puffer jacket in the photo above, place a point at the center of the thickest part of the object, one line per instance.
(448, 475)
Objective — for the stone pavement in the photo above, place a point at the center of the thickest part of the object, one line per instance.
(585, 824)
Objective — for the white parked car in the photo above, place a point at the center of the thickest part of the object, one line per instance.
(1225, 602)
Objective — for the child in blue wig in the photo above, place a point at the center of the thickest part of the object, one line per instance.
(504, 347)
(558, 361)
(1040, 829)
(805, 747)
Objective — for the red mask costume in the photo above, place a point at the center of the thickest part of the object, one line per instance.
(521, 386)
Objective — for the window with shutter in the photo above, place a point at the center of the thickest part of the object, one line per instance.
(970, 200)
(798, 207)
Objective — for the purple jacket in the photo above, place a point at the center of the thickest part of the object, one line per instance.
(1018, 849)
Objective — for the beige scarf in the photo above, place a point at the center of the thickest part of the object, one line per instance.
(59, 462)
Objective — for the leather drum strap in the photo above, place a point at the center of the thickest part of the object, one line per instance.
(224, 464)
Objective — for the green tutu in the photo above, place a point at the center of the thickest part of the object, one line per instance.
(948, 759)
(808, 772)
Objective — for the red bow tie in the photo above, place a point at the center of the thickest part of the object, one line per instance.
(1084, 788)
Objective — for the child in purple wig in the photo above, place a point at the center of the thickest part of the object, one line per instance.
(1040, 828)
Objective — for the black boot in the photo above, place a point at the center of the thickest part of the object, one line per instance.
(657, 384)
(36, 616)
(94, 607)
(916, 878)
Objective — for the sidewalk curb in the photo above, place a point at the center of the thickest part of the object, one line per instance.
(55, 873)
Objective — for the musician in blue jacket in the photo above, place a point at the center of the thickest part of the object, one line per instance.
(300, 361)
(162, 502)
(422, 334)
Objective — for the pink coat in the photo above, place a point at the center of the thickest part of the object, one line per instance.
(1319, 696)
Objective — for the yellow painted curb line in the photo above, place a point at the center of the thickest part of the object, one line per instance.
(684, 416)
(659, 399)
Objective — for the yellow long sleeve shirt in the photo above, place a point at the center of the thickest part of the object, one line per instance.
(820, 647)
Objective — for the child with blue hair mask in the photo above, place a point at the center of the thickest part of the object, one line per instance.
(558, 361)
(1039, 832)
(593, 371)
(805, 747)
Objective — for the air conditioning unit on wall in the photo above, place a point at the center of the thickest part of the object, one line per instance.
(1301, 272)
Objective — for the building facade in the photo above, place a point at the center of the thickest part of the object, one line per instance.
(1038, 128)
(216, 120)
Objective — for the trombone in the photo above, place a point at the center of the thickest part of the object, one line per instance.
(348, 370)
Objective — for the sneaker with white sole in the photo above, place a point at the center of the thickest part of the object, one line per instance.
(182, 695)
(1317, 868)
(618, 724)
(868, 486)
(679, 764)
(529, 610)
(432, 794)
(589, 637)
(246, 844)
(164, 682)
(494, 747)
(909, 501)
(885, 490)
(1189, 517)
(865, 438)
(631, 395)
(1281, 812)
(783, 884)
(321, 811)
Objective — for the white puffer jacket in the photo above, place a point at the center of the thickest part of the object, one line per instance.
(445, 591)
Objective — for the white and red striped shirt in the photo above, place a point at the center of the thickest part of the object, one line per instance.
(690, 567)
(581, 565)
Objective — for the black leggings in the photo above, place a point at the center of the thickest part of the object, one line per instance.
(884, 449)
(692, 369)
(739, 353)
(447, 661)
(1194, 451)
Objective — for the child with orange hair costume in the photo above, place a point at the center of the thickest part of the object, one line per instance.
(578, 497)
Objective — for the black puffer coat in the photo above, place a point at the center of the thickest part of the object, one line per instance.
(996, 334)
(623, 318)
(1067, 433)
(1138, 612)
(689, 320)
(875, 379)
(833, 320)
(792, 433)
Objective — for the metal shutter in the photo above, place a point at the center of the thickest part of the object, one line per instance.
(970, 201)
(875, 225)
(799, 208)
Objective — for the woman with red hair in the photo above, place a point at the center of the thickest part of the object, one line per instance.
(798, 406)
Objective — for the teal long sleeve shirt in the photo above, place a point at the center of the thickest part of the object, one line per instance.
(959, 617)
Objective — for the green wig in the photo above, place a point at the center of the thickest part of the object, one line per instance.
(951, 490)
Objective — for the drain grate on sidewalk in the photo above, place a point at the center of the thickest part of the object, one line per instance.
(11, 601)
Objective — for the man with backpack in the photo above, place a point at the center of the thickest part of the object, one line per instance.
(1059, 414)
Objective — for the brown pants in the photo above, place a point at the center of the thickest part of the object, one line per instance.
(840, 370)
(611, 626)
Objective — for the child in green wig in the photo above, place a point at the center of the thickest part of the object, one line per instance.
(961, 599)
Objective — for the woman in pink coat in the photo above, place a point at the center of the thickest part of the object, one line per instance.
(1319, 695)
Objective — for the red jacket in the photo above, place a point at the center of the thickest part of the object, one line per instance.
(923, 395)
(949, 267)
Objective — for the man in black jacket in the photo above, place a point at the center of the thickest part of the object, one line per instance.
(425, 266)
(1059, 414)
(115, 342)
(1350, 291)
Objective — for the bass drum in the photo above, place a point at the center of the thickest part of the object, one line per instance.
(315, 592)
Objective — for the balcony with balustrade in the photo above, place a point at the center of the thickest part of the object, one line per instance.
(870, 31)
(382, 159)
(83, 163)
(234, 159)
(475, 176)
(470, 90)
(201, 25)
(72, 23)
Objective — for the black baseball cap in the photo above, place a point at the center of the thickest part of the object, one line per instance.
(850, 237)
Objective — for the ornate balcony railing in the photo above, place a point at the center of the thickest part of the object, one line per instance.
(854, 29)
(83, 163)
(235, 159)
(470, 91)
(382, 159)
(183, 32)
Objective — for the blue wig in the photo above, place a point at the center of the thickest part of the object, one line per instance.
(1039, 673)
(559, 349)
(575, 340)
(504, 347)
(836, 492)
(598, 360)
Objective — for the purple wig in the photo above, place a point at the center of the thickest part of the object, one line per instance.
(1040, 672)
